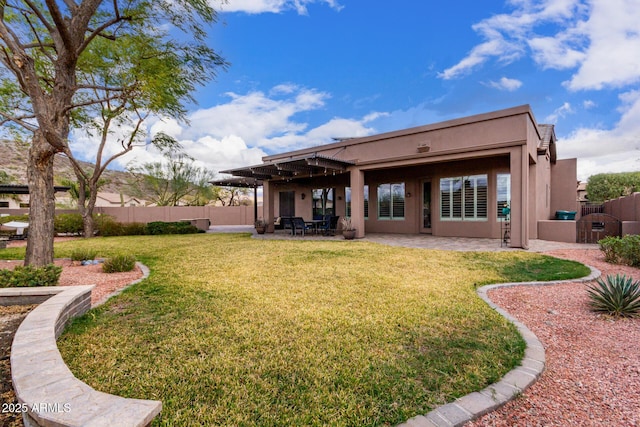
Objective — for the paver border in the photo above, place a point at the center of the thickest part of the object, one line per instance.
(47, 391)
(474, 405)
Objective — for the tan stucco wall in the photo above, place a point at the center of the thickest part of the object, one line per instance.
(564, 184)
(557, 231)
(624, 208)
(505, 141)
(456, 138)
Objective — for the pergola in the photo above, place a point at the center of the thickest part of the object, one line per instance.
(294, 167)
(308, 165)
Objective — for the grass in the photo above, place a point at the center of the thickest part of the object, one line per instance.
(233, 331)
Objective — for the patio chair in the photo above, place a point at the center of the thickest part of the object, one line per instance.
(333, 224)
(330, 225)
(286, 223)
(297, 223)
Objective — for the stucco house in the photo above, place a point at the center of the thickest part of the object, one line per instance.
(452, 178)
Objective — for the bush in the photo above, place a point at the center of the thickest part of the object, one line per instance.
(68, 224)
(621, 250)
(618, 296)
(134, 229)
(23, 276)
(119, 263)
(107, 226)
(83, 254)
(159, 227)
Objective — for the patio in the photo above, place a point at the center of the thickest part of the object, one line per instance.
(424, 241)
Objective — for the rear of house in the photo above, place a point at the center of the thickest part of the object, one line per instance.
(468, 177)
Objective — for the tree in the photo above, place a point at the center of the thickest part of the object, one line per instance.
(63, 61)
(231, 196)
(175, 181)
(607, 186)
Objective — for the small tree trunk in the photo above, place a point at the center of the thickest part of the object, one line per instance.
(88, 223)
(42, 203)
(86, 204)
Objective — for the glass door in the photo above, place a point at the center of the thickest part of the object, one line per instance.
(287, 205)
(426, 207)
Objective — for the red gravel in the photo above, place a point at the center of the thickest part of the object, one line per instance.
(592, 377)
(74, 275)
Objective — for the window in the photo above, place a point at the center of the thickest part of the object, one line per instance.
(347, 193)
(4, 204)
(322, 202)
(451, 198)
(503, 192)
(463, 198)
(391, 201)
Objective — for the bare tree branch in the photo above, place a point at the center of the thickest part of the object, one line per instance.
(60, 29)
(36, 11)
(19, 121)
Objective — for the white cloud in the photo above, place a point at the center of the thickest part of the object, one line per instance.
(589, 104)
(480, 54)
(559, 112)
(599, 39)
(507, 35)
(607, 150)
(270, 6)
(256, 117)
(614, 39)
(555, 52)
(505, 84)
(243, 130)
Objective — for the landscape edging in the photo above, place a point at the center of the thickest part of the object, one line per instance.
(474, 405)
(47, 391)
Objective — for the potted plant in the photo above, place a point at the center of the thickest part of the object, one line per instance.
(261, 226)
(348, 232)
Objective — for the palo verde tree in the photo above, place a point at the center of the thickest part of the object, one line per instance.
(174, 181)
(64, 61)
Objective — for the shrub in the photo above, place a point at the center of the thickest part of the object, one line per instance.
(610, 247)
(119, 263)
(618, 295)
(68, 224)
(107, 226)
(621, 250)
(134, 229)
(82, 254)
(159, 227)
(23, 276)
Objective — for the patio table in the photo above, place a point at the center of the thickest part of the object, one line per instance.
(315, 224)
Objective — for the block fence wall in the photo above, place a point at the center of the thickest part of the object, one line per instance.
(626, 209)
(218, 215)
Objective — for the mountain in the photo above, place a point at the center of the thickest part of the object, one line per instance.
(13, 161)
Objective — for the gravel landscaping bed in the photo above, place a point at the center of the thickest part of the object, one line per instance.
(76, 275)
(593, 362)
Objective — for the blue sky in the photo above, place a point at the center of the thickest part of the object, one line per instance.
(305, 71)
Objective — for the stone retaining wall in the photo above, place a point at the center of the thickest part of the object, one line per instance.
(47, 391)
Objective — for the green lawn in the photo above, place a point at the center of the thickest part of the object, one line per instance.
(233, 331)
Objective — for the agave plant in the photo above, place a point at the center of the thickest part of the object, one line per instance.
(618, 295)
